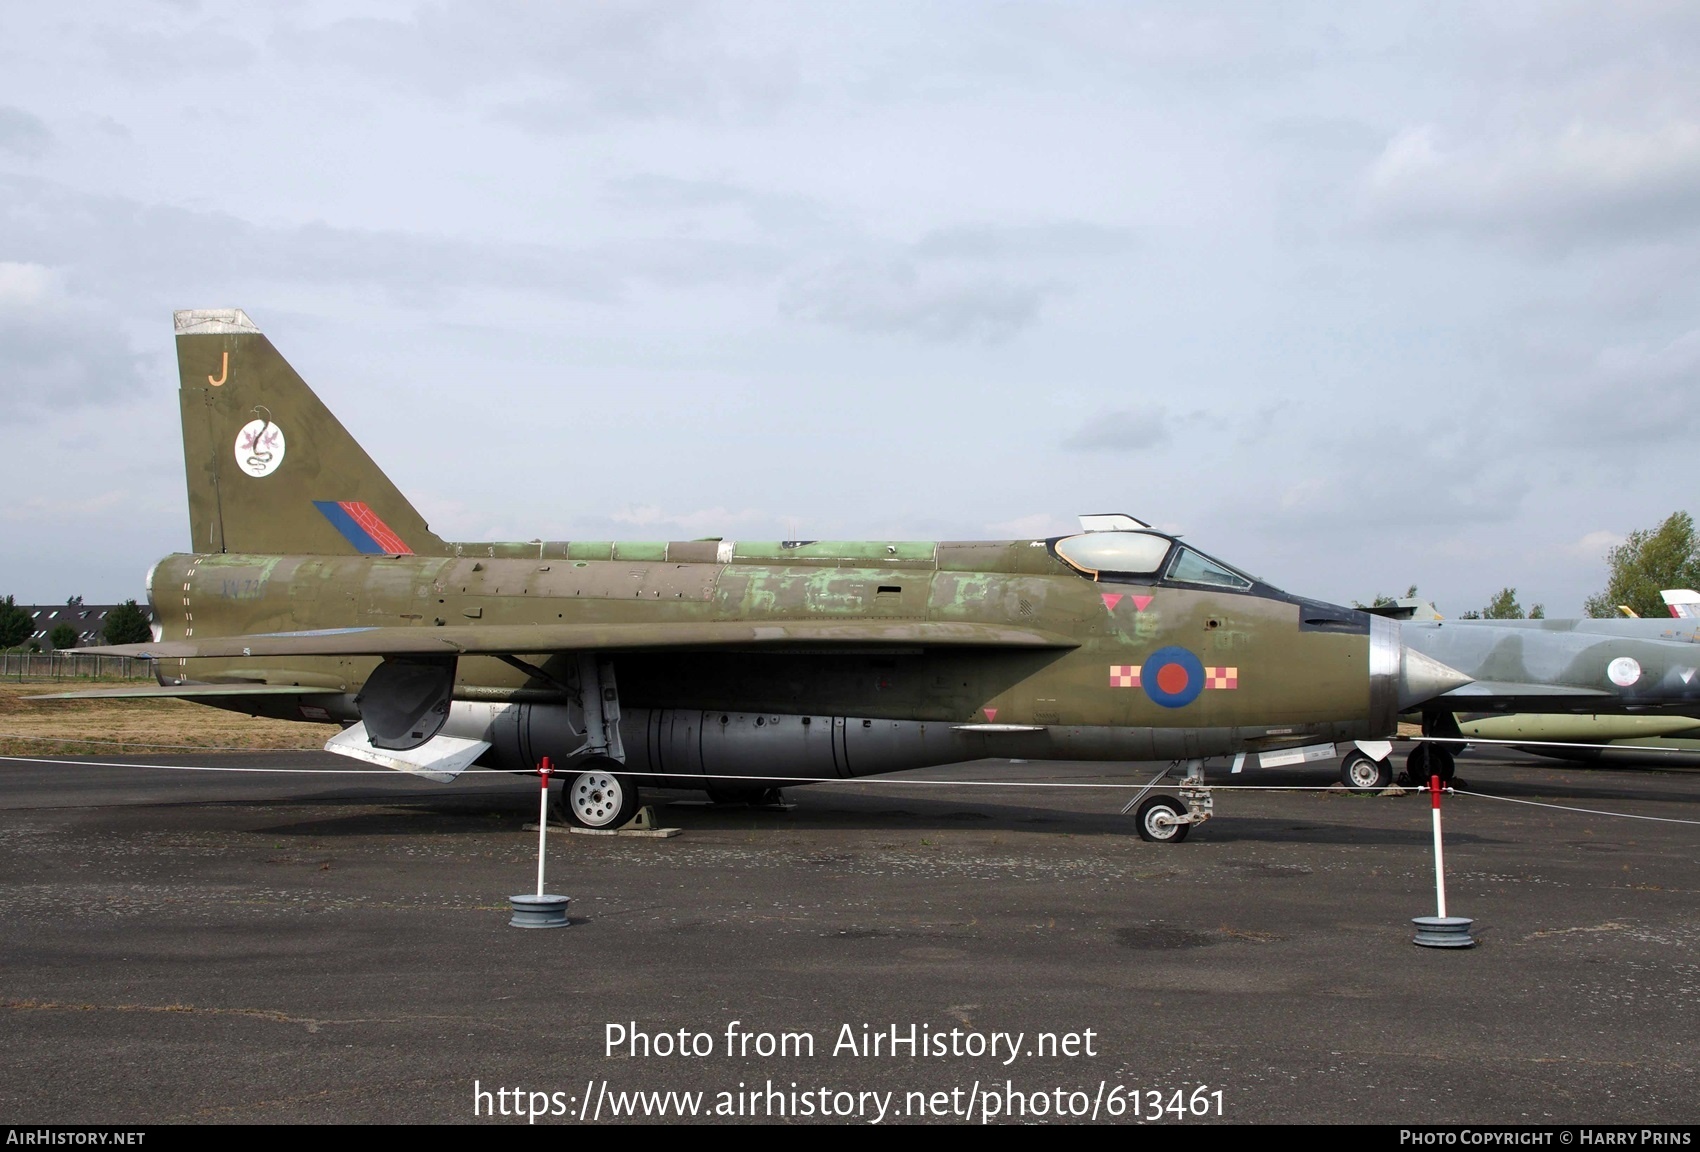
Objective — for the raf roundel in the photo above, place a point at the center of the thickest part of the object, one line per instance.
(259, 448)
(1172, 677)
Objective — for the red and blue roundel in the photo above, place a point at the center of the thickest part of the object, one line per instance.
(1172, 677)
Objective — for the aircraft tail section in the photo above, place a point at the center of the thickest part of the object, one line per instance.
(270, 469)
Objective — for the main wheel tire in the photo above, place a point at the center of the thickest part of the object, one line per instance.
(1443, 765)
(1156, 831)
(1417, 765)
(1361, 772)
(600, 799)
(1430, 759)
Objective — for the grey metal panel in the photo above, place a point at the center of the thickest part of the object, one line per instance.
(765, 745)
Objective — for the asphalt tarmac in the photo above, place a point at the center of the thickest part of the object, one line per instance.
(221, 946)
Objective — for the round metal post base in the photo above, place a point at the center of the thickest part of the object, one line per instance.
(539, 911)
(1443, 932)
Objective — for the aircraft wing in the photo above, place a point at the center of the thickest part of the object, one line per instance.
(508, 639)
(184, 692)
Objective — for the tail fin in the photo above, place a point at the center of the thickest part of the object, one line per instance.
(269, 468)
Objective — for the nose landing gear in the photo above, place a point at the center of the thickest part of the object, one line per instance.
(1166, 819)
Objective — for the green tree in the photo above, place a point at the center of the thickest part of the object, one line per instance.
(15, 624)
(1382, 600)
(127, 624)
(63, 636)
(1649, 560)
(1504, 606)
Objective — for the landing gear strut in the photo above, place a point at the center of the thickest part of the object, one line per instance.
(1166, 819)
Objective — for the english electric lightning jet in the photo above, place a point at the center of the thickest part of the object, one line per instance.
(315, 591)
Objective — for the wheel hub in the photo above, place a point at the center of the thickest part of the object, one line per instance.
(596, 798)
(1161, 823)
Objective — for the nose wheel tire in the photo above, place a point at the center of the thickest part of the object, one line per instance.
(600, 799)
(1162, 820)
(1362, 773)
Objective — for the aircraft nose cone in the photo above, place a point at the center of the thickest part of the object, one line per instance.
(1423, 678)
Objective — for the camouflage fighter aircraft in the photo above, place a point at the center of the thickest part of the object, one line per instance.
(1631, 682)
(315, 591)
(1665, 740)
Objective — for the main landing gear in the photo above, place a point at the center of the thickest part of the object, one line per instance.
(1361, 772)
(1428, 760)
(1432, 759)
(599, 796)
(1166, 819)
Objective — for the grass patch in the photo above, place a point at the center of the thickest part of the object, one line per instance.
(134, 727)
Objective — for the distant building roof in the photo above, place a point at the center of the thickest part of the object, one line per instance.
(88, 619)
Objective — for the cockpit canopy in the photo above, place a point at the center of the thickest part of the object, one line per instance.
(1146, 557)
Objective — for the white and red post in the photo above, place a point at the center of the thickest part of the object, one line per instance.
(544, 769)
(541, 910)
(1439, 857)
(1441, 931)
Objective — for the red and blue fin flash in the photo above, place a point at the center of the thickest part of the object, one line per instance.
(362, 527)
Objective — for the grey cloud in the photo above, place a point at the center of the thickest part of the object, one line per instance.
(1559, 188)
(1554, 126)
(158, 56)
(1125, 430)
(1068, 239)
(568, 68)
(130, 242)
(1446, 474)
(896, 297)
(769, 212)
(23, 133)
(1640, 394)
(555, 68)
(653, 190)
(59, 355)
(1328, 133)
(969, 282)
(953, 49)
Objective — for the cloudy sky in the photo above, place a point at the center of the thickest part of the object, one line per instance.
(1354, 296)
